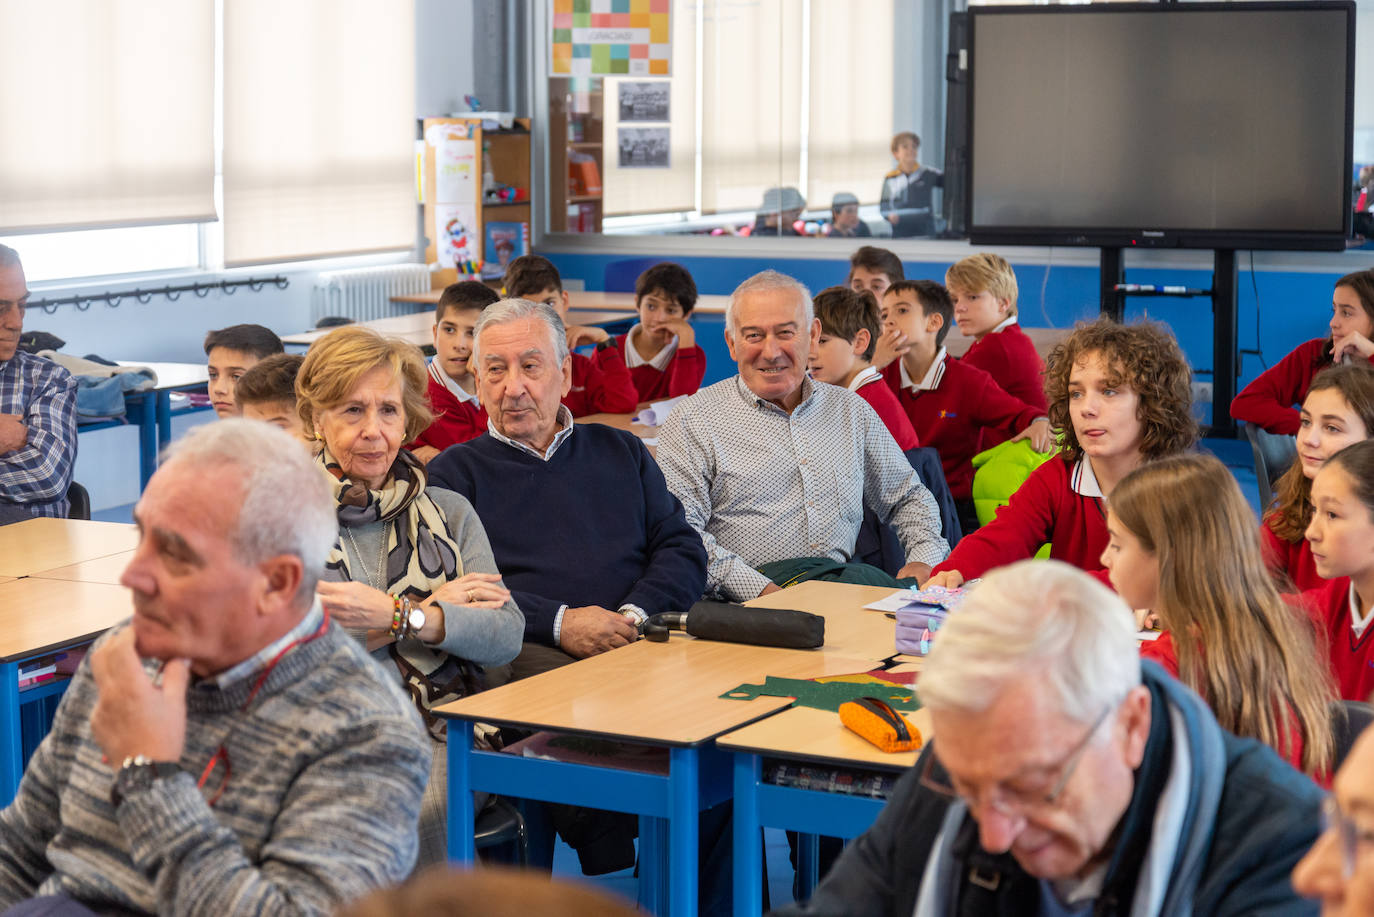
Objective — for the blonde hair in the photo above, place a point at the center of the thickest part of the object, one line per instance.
(336, 362)
(493, 891)
(1251, 656)
(984, 272)
(1292, 506)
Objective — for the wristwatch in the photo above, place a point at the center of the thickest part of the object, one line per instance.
(138, 772)
(608, 344)
(415, 621)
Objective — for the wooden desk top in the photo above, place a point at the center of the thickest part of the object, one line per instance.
(668, 693)
(43, 544)
(585, 299)
(101, 570)
(808, 734)
(30, 624)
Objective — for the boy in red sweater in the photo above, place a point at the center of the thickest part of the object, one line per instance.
(850, 324)
(452, 393)
(661, 351)
(948, 403)
(984, 289)
(601, 383)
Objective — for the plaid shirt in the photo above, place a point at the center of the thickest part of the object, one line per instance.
(43, 395)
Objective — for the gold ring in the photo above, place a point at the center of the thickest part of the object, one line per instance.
(470, 593)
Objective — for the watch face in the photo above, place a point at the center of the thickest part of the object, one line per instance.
(417, 619)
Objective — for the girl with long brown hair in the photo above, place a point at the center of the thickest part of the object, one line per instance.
(1183, 545)
(1338, 411)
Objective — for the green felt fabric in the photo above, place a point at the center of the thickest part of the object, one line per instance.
(825, 695)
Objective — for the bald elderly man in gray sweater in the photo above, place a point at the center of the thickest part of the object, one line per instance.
(230, 750)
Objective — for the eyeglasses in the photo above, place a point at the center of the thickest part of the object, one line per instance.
(1010, 801)
(1350, 834)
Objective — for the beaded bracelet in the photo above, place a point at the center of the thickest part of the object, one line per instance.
(398, 620)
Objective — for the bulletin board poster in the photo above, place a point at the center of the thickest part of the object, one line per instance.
(453, 182)
(611, 38)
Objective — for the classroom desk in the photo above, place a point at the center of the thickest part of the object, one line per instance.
(151, 410)
(657, 694)
(810, 736)
(584, 299)
(29, 629)
(40, 544)
(100, 570)
(418, 327)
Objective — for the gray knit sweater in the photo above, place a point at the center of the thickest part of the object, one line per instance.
(327, 767)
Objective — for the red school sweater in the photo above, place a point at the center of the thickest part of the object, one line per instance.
(1009, 357)
(1268, 401)
(884, 401)
(1293, 560)
(1352, 658)
(1045, 508)
(601, 384)
(682, 377)
(952, 416)
(454, 421)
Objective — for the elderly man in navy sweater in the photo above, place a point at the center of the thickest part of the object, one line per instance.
(581, 523)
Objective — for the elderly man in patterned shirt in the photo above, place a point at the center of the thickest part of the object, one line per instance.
(37, 413)
(774, 469)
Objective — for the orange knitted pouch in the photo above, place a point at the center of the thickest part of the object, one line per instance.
(880, 724)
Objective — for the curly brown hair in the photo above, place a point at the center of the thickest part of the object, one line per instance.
(1144, 357)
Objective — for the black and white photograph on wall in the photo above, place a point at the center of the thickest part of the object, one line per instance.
(647, 101)
(643, 147)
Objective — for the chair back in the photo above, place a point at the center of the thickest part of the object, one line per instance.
(80, 501)
(1273, 453)
(1348, 719)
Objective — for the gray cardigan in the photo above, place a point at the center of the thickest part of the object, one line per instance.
(486, 636)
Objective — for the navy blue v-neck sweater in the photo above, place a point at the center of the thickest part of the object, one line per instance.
(594, 525)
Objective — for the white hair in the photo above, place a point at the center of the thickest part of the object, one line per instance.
(285, 506)
(767, 281)
(1034, 617)
(513, 310)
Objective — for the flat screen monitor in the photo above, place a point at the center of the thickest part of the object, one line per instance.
(1198, 125)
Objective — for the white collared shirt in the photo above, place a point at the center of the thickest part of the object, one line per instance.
(1084, 481)
(931, 380)
(566, 427)
(660, 360)
(436, 372)
(1358, 619)
(1003, 324)
(865, 376)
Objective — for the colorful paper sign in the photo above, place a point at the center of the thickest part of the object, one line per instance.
(611, 38)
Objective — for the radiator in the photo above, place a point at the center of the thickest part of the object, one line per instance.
(365, 293)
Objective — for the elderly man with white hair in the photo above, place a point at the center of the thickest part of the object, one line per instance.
(774, 469)
(1065, 777)
(231, 750)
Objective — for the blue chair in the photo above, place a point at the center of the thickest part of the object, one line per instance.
(877, 544)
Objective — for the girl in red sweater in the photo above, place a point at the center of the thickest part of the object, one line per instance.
(1183, 546)
(1268, 401)
(1342, 538)
(1338, 411)
(1118, 395)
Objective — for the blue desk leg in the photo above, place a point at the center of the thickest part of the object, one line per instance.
(684, 778)
(808, 863)
(748, 852)
(11, 735)
(460, 814)
(651, 872)
(164, 419)
(147, 438)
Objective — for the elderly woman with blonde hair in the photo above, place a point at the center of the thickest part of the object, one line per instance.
(412, 572)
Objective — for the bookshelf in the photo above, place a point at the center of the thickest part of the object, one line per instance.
(575, 133)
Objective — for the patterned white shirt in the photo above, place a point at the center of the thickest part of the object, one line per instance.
(566, 426)
(762, 485)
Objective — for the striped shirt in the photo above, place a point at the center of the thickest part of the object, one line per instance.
(762, 485)
(43, 396)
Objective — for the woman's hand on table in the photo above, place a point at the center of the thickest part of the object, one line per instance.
(477, 590)
(949, 579)
(357, 605)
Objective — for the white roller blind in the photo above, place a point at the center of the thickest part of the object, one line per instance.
(107, 113)
(319, 126)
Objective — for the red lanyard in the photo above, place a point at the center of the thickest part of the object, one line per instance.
(222, 754)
